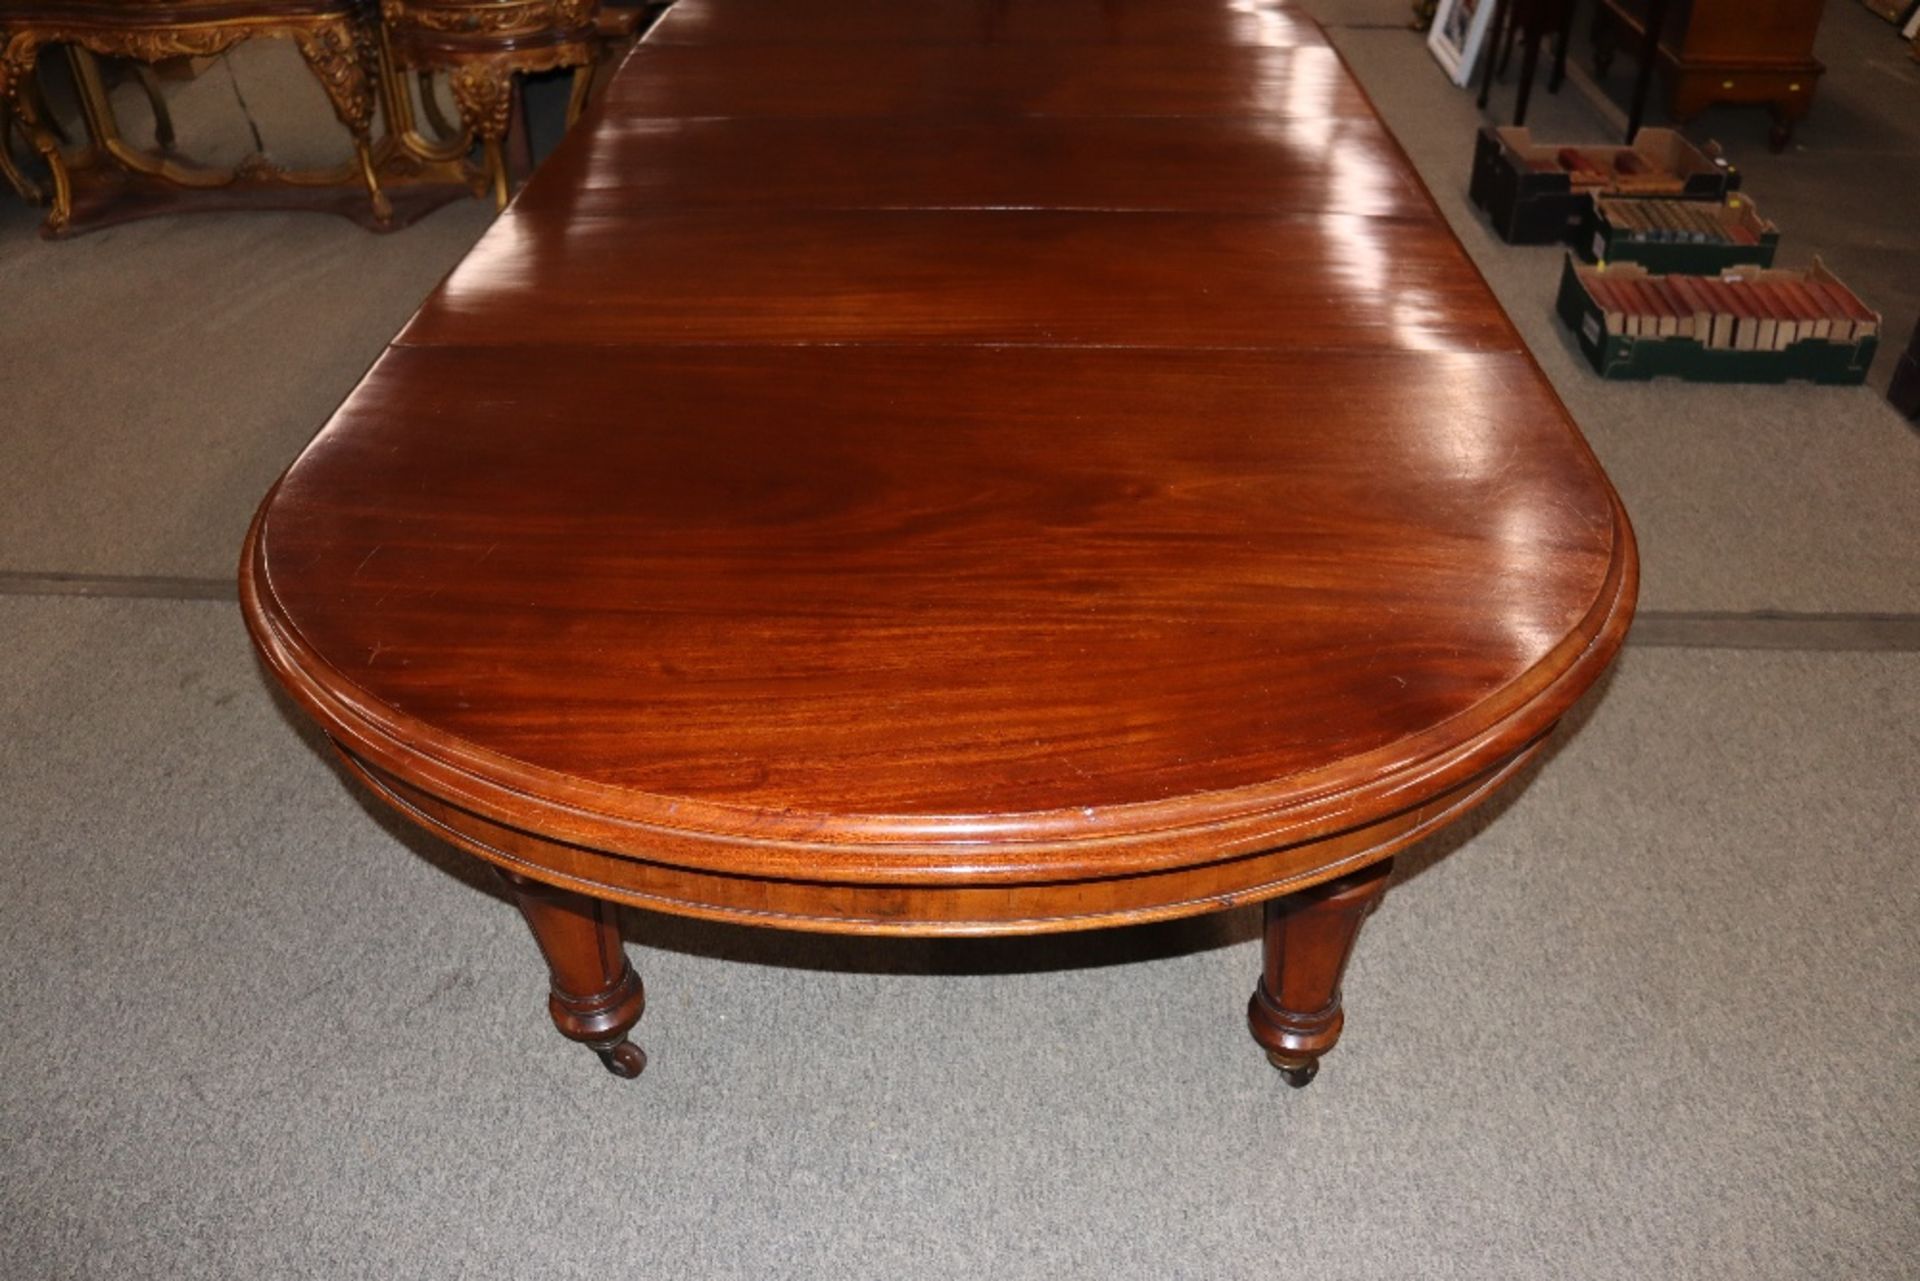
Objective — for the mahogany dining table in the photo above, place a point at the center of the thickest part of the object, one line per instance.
(950, 467)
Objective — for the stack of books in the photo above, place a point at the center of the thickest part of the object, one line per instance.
(1744, 325)
(1695, 236)
(1682, 280)
(1541, 192)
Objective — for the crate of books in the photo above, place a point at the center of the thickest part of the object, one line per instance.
(1747, 324)
(1697, 237)
(1538, 192)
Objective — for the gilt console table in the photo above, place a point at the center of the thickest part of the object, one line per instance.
(335, 38)
(966, 467)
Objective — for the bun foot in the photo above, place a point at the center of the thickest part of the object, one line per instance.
(625, 1059)
(1293, 1071)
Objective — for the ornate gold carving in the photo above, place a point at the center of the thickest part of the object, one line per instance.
(576, 12)
(148, 44)
(336, 52)
(17, 59)
(490, 17)
(484, 92)
(8, 76)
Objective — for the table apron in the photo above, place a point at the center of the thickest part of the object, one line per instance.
(947, 908)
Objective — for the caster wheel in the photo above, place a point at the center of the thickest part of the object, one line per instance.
(625, 1059)
(1294, 1072)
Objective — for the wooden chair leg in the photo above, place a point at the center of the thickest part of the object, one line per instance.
(1501, 16)
(1562, 36)
(1649, 56)
(1529, 67)
(1295, 1013)
(596, 997)
(1504, 40)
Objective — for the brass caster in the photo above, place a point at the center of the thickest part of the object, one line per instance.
(625, 1059)
(1293, 1071)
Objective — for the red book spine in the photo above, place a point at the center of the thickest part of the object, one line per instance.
(1746, 319)
(1817, 317)
(1646, 315)
(1851, 306)
(1696, 301)
(1665, 315)
(1603, 293)
(1780, 310)
(1844, 326)
(1715, 293)
(1605, 297)
(1682, 322)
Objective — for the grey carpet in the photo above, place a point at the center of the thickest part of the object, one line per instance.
(1652, 1015)
(1656, 1016)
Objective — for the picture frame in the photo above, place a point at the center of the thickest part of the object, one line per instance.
(1459, 30)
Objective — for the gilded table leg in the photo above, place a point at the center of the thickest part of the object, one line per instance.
(163, 134)
(596, 996)
(29, 190)
(342, 59)
(1295, 1012)
(442, 127)
(18, 92)
(582, 89)
(484, 94)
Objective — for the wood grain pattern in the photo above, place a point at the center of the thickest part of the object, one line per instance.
(1031, 276)
(1078, 584)
(898, 480)
(855, 80)
(984, 22)
(1223, 165)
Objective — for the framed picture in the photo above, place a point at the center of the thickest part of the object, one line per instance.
(1459, 29)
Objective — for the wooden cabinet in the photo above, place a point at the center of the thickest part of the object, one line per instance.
(1724, 51)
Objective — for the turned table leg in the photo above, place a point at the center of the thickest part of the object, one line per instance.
(1295, 1012)
(596, 996)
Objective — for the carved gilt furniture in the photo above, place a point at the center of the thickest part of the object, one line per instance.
(335, 37)
(482, 45)
(1043, 465)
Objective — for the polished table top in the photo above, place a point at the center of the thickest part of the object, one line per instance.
(1050, 450)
